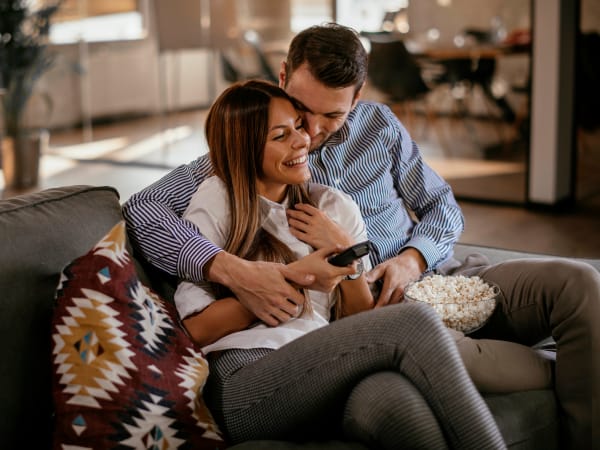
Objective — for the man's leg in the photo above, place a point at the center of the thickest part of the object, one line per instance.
(557, 297)
(498, 367)
(499, 364)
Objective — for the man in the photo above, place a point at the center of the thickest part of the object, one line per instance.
(362, 149)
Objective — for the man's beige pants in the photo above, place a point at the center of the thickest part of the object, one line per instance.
(540, 298)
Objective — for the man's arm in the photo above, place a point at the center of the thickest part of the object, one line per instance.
(176, 246)
(156, 228)
(439, 220)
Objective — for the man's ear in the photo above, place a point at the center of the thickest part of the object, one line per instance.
(358, 95)
(282, 75)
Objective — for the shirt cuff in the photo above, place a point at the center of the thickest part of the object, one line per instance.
(195, 253)
(427, 248)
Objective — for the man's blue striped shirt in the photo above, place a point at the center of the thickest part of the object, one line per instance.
(372, 158)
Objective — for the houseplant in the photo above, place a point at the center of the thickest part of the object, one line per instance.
(24, 57)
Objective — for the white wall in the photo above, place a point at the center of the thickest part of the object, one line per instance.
(122, 78)
(119, 79)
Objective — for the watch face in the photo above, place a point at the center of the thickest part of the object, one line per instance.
(360, 268)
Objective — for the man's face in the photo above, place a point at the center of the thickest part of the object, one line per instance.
(324, 109)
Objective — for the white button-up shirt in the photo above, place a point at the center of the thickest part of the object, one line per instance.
(209, 210)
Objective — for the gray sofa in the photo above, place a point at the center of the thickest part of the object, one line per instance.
(42, 232)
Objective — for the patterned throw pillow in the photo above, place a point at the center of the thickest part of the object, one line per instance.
(125, 373)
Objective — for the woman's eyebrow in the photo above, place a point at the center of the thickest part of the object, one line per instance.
(277, 127)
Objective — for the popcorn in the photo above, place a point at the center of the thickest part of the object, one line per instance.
(463, 303)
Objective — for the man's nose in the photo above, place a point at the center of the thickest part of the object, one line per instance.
(312, 125)
(300, 139)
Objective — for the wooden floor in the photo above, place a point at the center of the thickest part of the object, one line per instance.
(130, 154)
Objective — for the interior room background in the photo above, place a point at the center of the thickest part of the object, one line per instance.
(115, 62)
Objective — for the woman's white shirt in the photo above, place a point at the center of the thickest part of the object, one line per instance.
(209, 210)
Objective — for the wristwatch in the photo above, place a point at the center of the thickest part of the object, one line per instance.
(360, 268)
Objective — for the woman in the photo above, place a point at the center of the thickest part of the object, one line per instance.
(308, 378)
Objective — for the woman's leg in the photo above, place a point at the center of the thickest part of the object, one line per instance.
(299, 391)
(385, 410)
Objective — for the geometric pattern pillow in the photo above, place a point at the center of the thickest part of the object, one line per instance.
(125, 374)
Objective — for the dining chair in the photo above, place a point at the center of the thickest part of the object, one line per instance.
(395, 73)
(247, 58)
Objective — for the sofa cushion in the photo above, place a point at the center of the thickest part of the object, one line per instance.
(40, 233)
(125, 372)
(527, 419)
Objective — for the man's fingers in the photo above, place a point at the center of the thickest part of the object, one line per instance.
(290, 311)
(268, 319)
(389, 295)
(281, 311)
(374, 274)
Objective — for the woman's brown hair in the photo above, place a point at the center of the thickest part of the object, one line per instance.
(236, 131)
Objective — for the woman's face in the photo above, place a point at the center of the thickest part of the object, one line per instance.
(285, 156)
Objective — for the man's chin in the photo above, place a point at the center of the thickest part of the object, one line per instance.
(316, 144)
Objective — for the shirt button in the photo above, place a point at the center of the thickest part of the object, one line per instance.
(337, 181)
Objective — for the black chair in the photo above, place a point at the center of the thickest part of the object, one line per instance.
(393, 70)
(395, 73)
(247, 58)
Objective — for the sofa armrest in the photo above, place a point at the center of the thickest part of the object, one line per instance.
(497, 255)
(41, 233)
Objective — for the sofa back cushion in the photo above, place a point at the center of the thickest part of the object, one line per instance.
(40, 234)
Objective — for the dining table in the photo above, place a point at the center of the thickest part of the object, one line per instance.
(474, 63)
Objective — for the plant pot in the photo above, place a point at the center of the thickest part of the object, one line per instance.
(21, 159)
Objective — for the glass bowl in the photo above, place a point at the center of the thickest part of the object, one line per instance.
(463, 303)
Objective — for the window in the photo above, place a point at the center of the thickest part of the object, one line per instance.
(99, 20)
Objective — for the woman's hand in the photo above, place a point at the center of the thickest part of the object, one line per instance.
(327, 276)
(313, 227)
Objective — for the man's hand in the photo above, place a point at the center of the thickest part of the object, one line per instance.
(314, 227)
(263, 288)
(395, 273)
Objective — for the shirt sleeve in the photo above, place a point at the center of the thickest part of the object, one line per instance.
(440, 220)
(157, 229)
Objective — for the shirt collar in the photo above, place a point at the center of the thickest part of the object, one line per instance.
(340, 136)
(266, 206)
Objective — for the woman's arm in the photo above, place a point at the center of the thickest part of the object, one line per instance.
(356, 296)
(220, 318)
(344, 227)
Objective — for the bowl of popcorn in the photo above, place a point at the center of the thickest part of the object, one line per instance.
(464, 303)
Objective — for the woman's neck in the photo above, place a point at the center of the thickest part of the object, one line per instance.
(273, 193)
